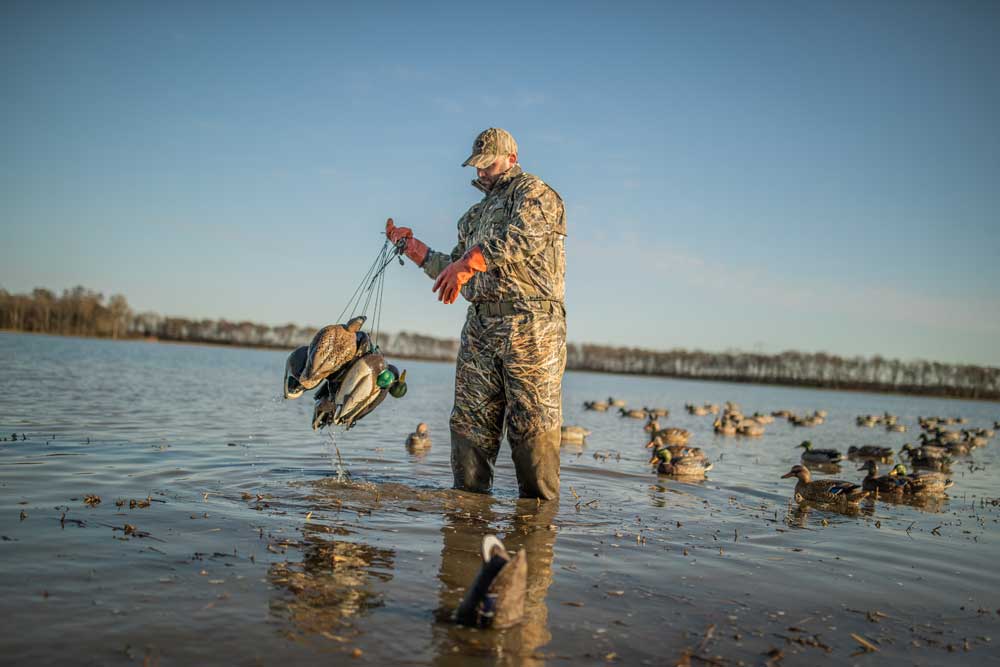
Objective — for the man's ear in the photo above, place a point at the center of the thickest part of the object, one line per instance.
(512, 159)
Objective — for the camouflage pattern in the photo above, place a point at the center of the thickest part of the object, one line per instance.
(509, 373)
(489, 146)
(520, 225)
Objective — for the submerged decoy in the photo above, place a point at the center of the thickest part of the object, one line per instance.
(573, 434)
(420, 439)
(496, 597)
(331, 348)
(834, 491)
(873, 452)
(810, 455)
(679, 466)
(294, 366)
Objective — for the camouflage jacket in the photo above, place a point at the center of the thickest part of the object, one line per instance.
(520, 225)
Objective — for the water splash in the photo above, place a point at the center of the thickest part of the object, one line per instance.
(335, 459)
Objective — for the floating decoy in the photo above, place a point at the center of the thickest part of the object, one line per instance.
(684, 466)
(573, 434)
(634, 414)
(884, 485)
(677, 450)
(670, 436)
(919, 483)
(881, 454)
(596, 406)
(419, 439)
(810, 455)
(496, 597)
(616, 402)
(835, 491)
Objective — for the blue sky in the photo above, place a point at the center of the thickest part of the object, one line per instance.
(770, 176)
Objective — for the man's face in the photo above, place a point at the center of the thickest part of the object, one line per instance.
(489, 174)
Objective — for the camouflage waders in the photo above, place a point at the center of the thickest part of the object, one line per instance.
(513, 349)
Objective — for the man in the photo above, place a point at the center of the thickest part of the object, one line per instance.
(510, 263)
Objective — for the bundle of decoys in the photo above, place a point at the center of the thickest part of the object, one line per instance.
(344, 363)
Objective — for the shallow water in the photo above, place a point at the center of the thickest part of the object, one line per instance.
(244, 547)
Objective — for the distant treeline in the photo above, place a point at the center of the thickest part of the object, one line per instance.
(83, 312)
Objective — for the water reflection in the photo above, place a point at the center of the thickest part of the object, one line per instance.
(529, 528)
(801, 514)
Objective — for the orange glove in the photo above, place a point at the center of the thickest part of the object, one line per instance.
(458, 273)
(415, 249)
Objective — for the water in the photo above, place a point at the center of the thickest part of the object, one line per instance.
(244, 547)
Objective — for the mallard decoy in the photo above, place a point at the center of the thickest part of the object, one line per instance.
(929, 458)
(331, 348)
(634, 414)
(677, 450)
(724, 427)
(810, 455)
(294, 366)
(670, 436)
(824, 490)
(657, 412)
(419, 439)
(679, 466)
(881, 454)
(496, 597)
(918, 483)
(365, 386)
(596, 406)
(749, 428)
(652, 425)
(616, 402)
(884, 485)
(696, 410)
(762, 419)
(573, 434)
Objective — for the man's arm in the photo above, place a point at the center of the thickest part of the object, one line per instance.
(436, 261)
(536, 215)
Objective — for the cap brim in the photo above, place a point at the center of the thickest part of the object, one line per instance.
(480, 160)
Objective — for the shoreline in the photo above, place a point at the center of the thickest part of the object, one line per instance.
(733, 380)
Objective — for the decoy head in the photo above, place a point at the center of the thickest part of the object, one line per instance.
(870, 466)
(799, 471)
(661, 454)
(355, 323)
(806, 445)
(397, 385)
(898, 469)
(422, 428)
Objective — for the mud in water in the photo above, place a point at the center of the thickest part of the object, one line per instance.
(161, 505)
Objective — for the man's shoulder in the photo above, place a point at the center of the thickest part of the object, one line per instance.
(530, 185)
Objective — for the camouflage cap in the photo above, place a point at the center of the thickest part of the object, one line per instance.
(490, 145)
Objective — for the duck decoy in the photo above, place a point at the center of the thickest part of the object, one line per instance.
(634, 414)
(669, 436)
(596, 406)
(573, 434)
(331, 348)
(679, 466)
(294, 366)
(880, 454)
(920, 483)
(677, 450)
(810, 455)
(496, 597)
(886, 485)
(420, 439)
(833, 491)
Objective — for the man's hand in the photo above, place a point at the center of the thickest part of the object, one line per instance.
(415, 249)
(458, 273)
(395, 233)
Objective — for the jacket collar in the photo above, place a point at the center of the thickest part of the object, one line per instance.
(502, 182)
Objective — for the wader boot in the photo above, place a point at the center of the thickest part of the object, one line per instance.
(536, 461)
(472, 465)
